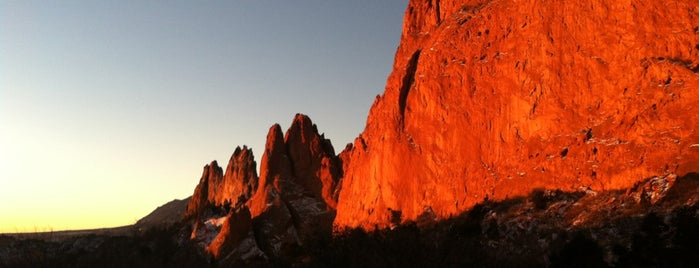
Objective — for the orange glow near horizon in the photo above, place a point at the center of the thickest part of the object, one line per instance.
(110, 109)
(53, 183)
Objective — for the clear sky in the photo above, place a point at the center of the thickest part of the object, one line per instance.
(109, 109)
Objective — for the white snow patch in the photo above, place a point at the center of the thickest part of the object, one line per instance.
(217, 222)
(207, 232)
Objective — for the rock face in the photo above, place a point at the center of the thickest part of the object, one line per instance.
(294, 203)
(488, 100)
(541, 111)
(217, 189)
(235, 244)
(240, 179)
(298, 176)
(200, 199)
(492, 99)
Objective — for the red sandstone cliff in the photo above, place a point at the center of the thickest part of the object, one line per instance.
(491, 99)
(294, 202)
(487, 100)
(298, 175)
(218, 189)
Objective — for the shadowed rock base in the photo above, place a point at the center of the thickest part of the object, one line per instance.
(292, 204)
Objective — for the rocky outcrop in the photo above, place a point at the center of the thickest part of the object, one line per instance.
(272, 220)
(298, 176)
(200, 199)
(487, 101)
(239, 182)
(547, 228)
(218, 189)
(491, 99)
(235, 244)
(294, 202)
(315, 165)
(506, 136)
(652, 190)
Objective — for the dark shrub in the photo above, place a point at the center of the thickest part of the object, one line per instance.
(581, 251)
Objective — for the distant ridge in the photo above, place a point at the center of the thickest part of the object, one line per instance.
(165, 215)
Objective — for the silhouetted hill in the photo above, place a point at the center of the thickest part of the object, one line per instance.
(167, 214)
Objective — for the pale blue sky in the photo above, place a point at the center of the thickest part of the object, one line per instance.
(111, 108)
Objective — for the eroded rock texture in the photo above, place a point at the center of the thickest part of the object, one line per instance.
(491, 99)
(218, 189)
(235, 244)
(240, 223)
(488, 100)
(298, 175)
